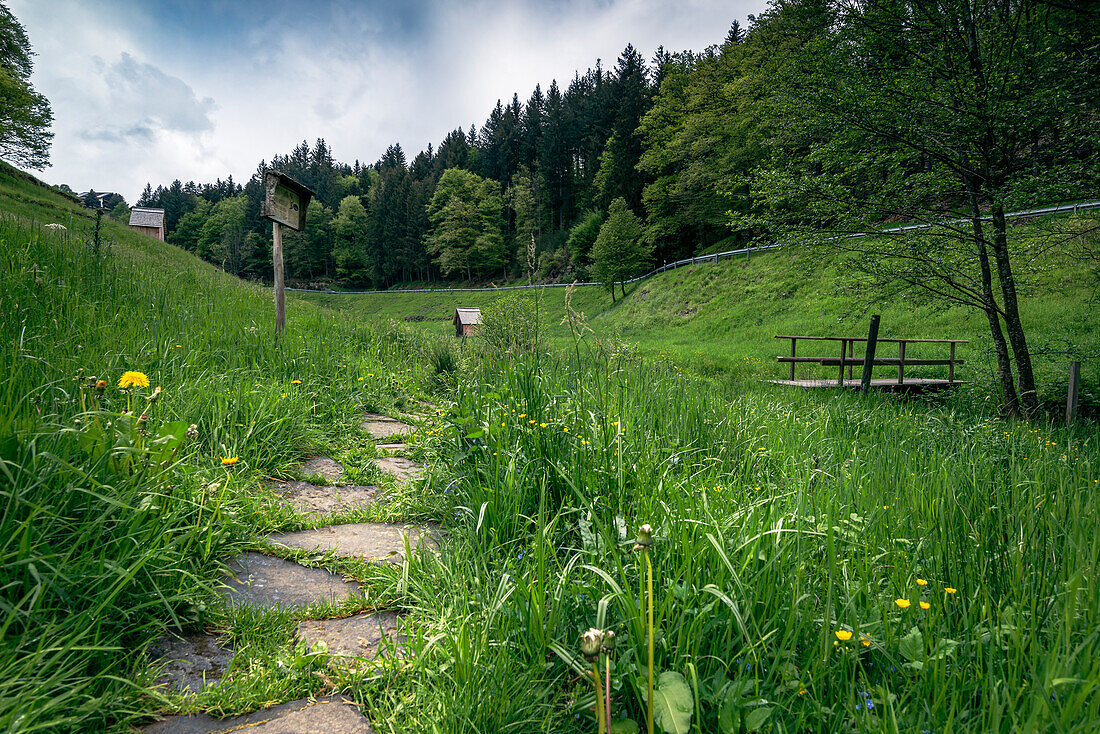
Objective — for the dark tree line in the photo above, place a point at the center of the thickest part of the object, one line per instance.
(701, 147)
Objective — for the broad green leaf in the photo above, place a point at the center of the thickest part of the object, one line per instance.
(911, 646)
(729, 714)
(757, 718)
(673, 704)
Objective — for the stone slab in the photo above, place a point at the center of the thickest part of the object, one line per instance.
(267, 581)
(381, 541)
(309, 499)
(191, 662)
(359, 636)
(384, 429)
(326, 467)
(331, 715)
(403, 469)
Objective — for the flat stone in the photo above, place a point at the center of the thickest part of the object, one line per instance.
(326, 467)
(266, 581)
(383, 429)
(353, 637)
(309, 499)
(382, 541)
(403, 469)
(191, 662)
(330, 715)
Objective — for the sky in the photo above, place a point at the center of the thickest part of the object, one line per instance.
(151, 91)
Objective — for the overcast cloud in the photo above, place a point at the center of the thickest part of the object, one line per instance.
(197, 90)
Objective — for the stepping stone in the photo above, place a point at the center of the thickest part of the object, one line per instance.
(382, 541)
(330, 715)
(266, 581)
(322, 465)
(382, 429)
(403, 469)
(191, 662)
(309, 499)
(352, 637)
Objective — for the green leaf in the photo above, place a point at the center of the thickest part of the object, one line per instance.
(757, 718)
(623, 726)
(729, 714)
(169, 437)
(673, 704)
(911, 646)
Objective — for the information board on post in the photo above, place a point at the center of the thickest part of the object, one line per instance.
(285, 204)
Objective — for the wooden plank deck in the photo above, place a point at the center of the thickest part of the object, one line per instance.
(915, 384)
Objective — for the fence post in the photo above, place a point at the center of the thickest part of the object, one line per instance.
(1074, 388)
(869, 355)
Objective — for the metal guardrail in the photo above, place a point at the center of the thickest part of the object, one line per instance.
(714, 257)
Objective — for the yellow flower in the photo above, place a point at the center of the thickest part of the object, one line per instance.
(843, 635)
(922, 582)
(229, 460)
(925, 605)
(295, 382)
(133, 379)
(949, 590)
(522, 415)
(865, 640)
(902, 603)
(543, 425)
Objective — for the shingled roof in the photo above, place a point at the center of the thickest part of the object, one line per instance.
(467, 316)
(142, 217)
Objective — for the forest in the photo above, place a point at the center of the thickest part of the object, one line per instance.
(818, 114)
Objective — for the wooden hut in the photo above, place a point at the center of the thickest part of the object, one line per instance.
(149, 221)
(467, 321)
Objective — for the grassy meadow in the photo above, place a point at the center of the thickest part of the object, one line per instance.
(821, 561)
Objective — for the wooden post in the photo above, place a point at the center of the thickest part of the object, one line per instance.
(951, 365)
(280, 296)
(1074, 388)
(843, 349)
(869, 355)
(794, 340)
(851, 357)
(901, 361)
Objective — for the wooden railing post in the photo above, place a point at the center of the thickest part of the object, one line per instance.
(951, 365)
(1074, 387)
(851, 357)
(901, 361)
(794, 340)
(869, 355)
(843, 350)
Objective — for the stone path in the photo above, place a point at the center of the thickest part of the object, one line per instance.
(259, 580)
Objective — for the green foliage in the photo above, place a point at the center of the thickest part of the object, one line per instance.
(465, 213)
(619, 251)
(349, 228)
(223, 238)
(673, 703)
(25, 115)
(513, 325)
(583, 236)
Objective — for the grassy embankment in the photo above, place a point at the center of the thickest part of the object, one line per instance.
(722, 318)
(822, 562)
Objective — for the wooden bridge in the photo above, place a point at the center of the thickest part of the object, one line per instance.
(846, 358)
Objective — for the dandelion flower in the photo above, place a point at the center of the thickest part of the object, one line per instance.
(902, 603)
(229, 460)
(922, 582)
(133, 379)
(295, 382)
(843, 635)
(925, 605)
(949, 589)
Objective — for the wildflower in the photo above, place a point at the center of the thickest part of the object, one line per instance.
(295, 382)
(922, 582)
(100, 385)
(154, 395)
(645, 537)
(902, 603)
(522, 415)
(865, 640)
(591, 642)
(608, 646)
(193, 431)
(925, 605)
(543, 425)
(133, 379)
(843, 635)
(949, 589)
(229, 460)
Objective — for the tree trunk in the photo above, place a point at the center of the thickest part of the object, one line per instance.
(1010, 405)
(1029, 400)
(622, 287)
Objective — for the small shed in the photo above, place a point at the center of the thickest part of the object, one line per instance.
(147, 220)
(467, 321)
